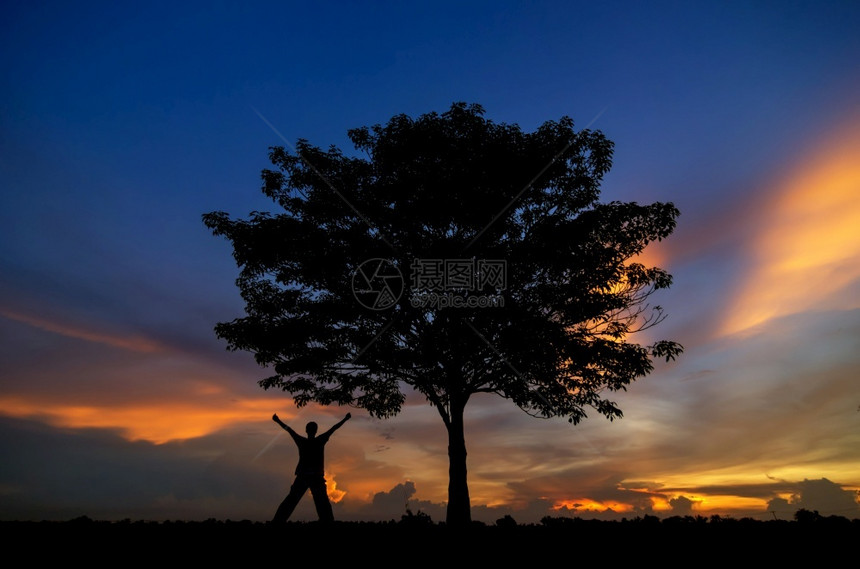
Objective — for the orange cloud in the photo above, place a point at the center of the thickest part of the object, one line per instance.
(334, 494)
(156, 423)
(808, 247)
(133, 343)
(660, 504)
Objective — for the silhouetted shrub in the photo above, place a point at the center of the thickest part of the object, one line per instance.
(419, 519)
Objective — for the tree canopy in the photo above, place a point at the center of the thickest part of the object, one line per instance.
(435, 209)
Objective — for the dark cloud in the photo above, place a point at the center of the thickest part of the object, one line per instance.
(781, 508)
(51, 473)
(821, 495)
(395, 503)
(682, 505)
(763, 491)
(826, 497)
(391, 505)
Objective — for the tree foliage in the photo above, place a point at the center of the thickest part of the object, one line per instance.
(449, 186)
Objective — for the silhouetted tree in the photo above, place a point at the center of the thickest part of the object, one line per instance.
(807, 516)
(448, 187)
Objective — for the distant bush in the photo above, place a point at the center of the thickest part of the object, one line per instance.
(419, 519)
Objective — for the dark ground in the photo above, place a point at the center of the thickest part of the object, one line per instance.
(411, 542)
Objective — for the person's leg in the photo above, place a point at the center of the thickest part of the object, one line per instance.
(321, 501)
(285, 510)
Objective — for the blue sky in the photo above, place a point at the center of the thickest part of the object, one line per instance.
(121, 125)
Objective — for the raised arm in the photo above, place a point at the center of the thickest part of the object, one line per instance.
(286, 427)
(337, 425)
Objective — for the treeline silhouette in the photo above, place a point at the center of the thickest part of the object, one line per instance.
(421, 522)
(416, 535)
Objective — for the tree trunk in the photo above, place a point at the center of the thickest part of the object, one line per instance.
(459, 506)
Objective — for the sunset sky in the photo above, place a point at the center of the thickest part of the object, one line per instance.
(121, 125)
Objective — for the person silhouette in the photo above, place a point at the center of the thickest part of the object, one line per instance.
(310, 471)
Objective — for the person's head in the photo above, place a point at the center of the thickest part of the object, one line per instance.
(311, 429)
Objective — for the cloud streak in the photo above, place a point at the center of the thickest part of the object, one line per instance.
(805, 253)
(132, 343)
